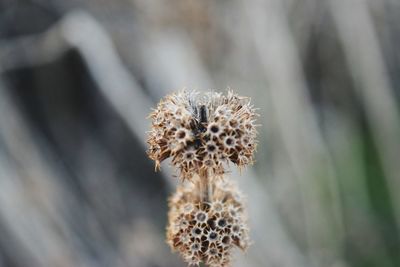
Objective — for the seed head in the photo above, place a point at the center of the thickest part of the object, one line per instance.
(207, 232)
(202, 133)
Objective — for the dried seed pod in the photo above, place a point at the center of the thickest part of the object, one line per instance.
(201, 133)
(207, 231)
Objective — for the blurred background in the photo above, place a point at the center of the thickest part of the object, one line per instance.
(78, 78)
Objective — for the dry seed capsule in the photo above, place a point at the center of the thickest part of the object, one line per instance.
(207, 232)
(203, 132)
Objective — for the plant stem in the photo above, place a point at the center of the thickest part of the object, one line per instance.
(205, 187)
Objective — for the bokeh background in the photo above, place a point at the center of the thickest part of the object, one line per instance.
(78, 78)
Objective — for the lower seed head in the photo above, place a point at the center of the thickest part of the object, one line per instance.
(213, 231)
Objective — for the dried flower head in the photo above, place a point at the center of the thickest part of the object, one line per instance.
(207, 231)
(201, 133)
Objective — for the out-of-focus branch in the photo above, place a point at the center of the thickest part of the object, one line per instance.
(355, 27)
(297, 125)
(80, 31)
(29, 214)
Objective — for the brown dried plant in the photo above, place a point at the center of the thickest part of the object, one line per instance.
(203, 134)
(207, 231)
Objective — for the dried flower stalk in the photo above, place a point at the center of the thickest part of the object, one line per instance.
(203, 134)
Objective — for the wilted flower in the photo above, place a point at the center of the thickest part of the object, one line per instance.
(207, 231)
(201, 133)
